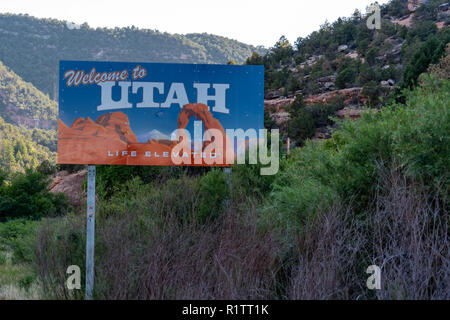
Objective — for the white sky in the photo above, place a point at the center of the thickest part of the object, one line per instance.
(257, 22)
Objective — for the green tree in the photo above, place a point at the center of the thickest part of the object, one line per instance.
(255, 59)
(345, 78)
(372, 90)
(269, 123)
(301, 127)
(428, 53)
(27, 195)
(371, 54)
(296, 106)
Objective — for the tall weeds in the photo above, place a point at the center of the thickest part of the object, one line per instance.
(143, 254)
(404, 232)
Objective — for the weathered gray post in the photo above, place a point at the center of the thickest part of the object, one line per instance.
(90, 232)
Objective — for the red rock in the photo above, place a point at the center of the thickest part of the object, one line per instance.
(350, 95)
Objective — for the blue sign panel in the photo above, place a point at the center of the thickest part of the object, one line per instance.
(139, 113)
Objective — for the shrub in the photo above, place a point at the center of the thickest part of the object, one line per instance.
(26, 282)
(60, 243)
(213, 190)
(345, 77)
(247, 181)
(296, 106)
(46, 168)
(19, 235)
(372, 90)
(371, 54)
(27, 195)
(321, 112)
(71, 168)
(429, 52)
(442, 68)
(404, 232)
(112, 178)
(301, 127)
(269, 123)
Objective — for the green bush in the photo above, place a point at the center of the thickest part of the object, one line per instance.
(247, 181)
(346, 77)
(19, 235)
(46, 168)
(301, 127)
(428, 53)
(112, 178)
(26, 281)
(71, 168)
(321, 112)
(213, 190)
(27, 195)
(59, 243)
(296, 106)
(372, 90)
(269, 123)
(371, 54)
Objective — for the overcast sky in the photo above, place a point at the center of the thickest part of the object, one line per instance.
(257, 22)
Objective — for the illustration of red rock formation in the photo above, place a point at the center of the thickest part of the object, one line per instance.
(86, 141)
(110, 139)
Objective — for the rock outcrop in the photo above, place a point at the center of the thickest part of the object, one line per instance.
(351, 96)
(414, 4)
(71, 186)
(277, 105)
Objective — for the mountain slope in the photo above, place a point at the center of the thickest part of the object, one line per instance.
(27, 124)
(32, 47)
(22, 148)
(223, 49)
(346, 53)
(22, 104)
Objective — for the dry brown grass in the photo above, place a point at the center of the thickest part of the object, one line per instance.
(148, 252)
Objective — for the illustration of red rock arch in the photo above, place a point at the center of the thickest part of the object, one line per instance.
(201, 112)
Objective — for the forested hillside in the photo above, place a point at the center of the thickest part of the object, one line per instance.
(32, 47)
(345, 66)
(22, 104)
(27, 124)
(346, 53)
(22, 148)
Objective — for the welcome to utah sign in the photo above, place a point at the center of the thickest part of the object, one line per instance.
(156, 114)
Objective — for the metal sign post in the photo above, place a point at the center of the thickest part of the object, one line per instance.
(90, 232)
